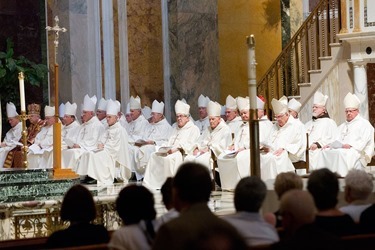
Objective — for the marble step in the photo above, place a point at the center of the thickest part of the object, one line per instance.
(18, 175)
(31, 184)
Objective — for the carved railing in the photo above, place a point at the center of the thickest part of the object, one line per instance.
(303, 53)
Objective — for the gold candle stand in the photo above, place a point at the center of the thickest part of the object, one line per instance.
(25, 147)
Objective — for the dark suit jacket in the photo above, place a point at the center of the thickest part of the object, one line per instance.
(78, 235)
(194, 228)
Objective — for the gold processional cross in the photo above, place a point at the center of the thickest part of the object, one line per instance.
(59, 173)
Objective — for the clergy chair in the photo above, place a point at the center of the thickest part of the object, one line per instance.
(303, 164)
(215, 174)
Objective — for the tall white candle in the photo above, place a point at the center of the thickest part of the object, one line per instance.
(22, 91)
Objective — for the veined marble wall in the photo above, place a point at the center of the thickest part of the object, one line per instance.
(193, 45)
(238, 19)
(145, 50)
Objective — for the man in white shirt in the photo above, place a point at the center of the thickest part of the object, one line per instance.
(156, 135)
(217, 137)
(40, 153)
(249, 196)
(14, 134)
(202, 122)
(354, 145)
(89, 134)
(284, 144)
(322, 130)
(234, 121)
(166, 161)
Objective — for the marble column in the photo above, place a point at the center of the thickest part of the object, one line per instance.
(123, 51)
(194, 51)
(108, 50)
(360, 86)
(79, 55)
(166, 61)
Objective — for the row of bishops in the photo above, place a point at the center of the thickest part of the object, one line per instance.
(105, 145)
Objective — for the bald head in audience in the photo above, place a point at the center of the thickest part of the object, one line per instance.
(297, 208)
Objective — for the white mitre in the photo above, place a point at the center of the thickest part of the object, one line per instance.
(320, 99)
(243, 103)
(279, 107)
(11, 110)
(112, 108)
(89, 103)
(351, 101)
(260, 103)
(102, 104)
(49, 111)
(62, 110)
(213, 109)
(157, 107)
(135, 103)
(230, 103)
(182, 108)
(70, 109)
(146, 112)
(203, 101)
(294, 105)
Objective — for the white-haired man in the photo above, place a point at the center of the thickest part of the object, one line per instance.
(354, 145)
(165, 162)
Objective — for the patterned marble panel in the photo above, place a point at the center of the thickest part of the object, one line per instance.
(33, 184)
(145, 50)
(194, 51)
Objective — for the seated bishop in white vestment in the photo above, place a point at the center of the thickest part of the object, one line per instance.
(111, 155)
(88, 136)
(71, 126)
(234, 164)
(156, 134)
(40, 154)
(202, 122)
(13, 136)
(167, 159)
(322, 130)
(234, 121)
(294, 107)
(216, 138)
(136, 129)
(284, 145)
(354, 146)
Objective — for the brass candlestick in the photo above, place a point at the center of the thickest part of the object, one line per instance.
(25, 147)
